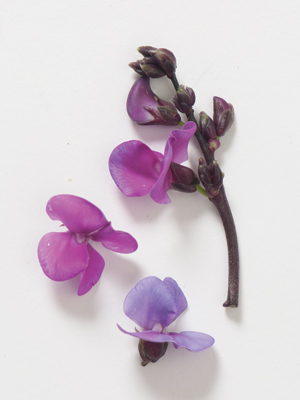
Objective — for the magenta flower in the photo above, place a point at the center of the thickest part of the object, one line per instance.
(64, 255)
(154, 304)
(137, 170)
(145, 108)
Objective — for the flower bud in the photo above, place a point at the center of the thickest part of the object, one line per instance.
(184, 99)
(207, 126)
(211, 178)
(223, 115)
(183, 178)
(144, 50)
(151, 69)
(213, 145)
(165, 59)
(150, 351)
(136, 67)
(145, 108)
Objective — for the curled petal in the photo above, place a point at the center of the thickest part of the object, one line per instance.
(134, 167)
(91, 275)
(118, 241)
(141, 95)
(178, 296)
(158, 192)
(179, 140)
(149, 303)
(76, 213)
(150, 336)
(61, 256)
(193, 341)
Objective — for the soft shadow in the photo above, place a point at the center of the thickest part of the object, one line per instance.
(181, 374)
(86, 307)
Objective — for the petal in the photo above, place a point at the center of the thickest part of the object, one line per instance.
(141, 95)
(178, 296)
(134, 167)
(158, 192)
(118, 241)
(61, 256)
(149, 303)
(76, 213)
(179, 140)
(193, 341)
(150, 336)
(91, 275)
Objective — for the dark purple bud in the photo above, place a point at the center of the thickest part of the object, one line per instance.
(184, 99)
(151, 352)
(145, 108)
(137, 68)
(144, 50)
(207, 126)
(165, 59)
(151, 69)
(211, 178)
(213, 145)
(223, 115)
(184, 175)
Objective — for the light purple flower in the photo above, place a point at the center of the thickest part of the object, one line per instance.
(64, 255)
(145, 108)
(137, 170)
(154, 304)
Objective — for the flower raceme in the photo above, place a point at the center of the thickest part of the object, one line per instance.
(154, 304)
(64, 255)
(137, 170)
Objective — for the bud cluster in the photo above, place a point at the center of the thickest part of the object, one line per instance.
(222, 121)
(184, 99)
(156, 62)
(211, 177)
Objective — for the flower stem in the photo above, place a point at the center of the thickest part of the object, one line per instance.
(222, 205)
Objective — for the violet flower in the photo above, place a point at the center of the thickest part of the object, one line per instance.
(64, 255)
(137, 170)
(145, 108)
(154, 304)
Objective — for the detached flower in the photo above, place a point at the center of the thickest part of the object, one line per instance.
(64, 255)
(137, 170)
(145, 108)
(154, 304)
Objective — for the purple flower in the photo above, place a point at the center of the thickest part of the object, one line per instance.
(137, 170)
(64, 255)
(145, 108)
(154, 304)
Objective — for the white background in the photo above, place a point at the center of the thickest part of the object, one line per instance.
(64, 81)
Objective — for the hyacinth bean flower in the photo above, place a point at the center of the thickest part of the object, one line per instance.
(145, 108)
(154, 304)
(137, 170)
(64, 255)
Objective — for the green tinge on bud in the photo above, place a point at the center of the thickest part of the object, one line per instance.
(184, 99)
(207, 126)
(151, 69)
(151, 352)
(211, 178)
(213, 145)
(165, 59)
